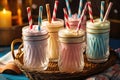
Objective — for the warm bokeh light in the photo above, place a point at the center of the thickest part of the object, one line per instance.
(4, 11)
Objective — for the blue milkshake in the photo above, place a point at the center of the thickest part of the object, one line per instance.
(97, 50)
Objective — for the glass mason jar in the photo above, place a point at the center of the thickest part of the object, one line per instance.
(53, 29)
(71, 48)
(35, 48)
(97, 49)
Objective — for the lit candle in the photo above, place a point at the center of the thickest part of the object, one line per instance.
(5, 19)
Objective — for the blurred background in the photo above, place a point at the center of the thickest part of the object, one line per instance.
(19, 7)
(19, 15)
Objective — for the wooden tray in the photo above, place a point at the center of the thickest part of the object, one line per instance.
(53, 73)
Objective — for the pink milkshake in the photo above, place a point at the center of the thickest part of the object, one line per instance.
(74, 20)
(71, 45)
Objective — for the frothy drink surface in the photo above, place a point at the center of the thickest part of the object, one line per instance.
(98, 24)
(32, 32)
(71, 33)
(53, 26)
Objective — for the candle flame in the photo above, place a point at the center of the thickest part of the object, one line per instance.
(4, 11)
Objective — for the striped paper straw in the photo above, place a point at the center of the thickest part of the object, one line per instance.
(29, 17)
(40, 17)
(102, 10)
(55, 10)
(68, 7)
(108, 11)
(82, 16)
(66, 18)
(48, 13)
(90, 11)
(80, 8)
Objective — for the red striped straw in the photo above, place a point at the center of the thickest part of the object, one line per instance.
(55, 10)
(90, 11)
(82, 17)
(29, 17)
(108, 11)
(66, 18)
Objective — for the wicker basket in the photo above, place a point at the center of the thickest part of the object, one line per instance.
(53, 73)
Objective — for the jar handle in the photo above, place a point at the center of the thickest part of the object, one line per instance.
(19, 49)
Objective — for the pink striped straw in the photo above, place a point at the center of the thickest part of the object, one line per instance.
(29, 17)
(82, 16)
(55, 10)
(108, 11)
(66, 18)
(90, 11)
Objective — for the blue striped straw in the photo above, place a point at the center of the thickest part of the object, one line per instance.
(40, 17)
(102, 10)
(68, 7)
(80, 8)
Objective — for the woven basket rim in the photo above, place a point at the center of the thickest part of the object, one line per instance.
(20, 65)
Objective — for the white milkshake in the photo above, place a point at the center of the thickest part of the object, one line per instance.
(35, 48)
(53, 29)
